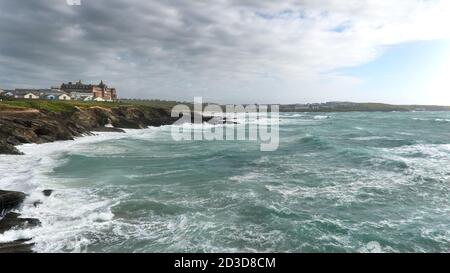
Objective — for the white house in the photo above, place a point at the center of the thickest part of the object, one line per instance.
(81, 96)
(87, 98)
(53, 94)
(26, 94)
(31, 96)
(99, 99)
(64, 97)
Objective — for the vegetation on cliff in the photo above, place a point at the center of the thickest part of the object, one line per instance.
(71, 106)
(26, 121)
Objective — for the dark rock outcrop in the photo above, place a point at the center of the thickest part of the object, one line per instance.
(6, 148)
(47, 193)
(13, 220)
(19, 246)
(38, 126)
(10, 200)
(34, 126)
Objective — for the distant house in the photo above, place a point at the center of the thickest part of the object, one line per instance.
(84, 96)
(48, 97)
(31, 94)
(64, 97)
(88, 98)
(98, 99)
(53, 94)
(7, 93)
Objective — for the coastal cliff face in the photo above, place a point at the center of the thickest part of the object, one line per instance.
(37, 126)
(19, 126)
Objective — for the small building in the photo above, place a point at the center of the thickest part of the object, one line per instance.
(48, 97)
(7, 93)
(88, 98)
(80, 95)
(53, 94)
(32, 94)
(98, 99)
(64, 97)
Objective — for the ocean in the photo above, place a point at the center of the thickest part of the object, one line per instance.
(339, 182)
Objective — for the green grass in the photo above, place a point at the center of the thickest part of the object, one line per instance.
(38, 104)
(69, 106)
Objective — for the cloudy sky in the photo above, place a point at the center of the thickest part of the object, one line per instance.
(233, 51)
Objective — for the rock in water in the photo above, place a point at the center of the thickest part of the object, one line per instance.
(6, 148)
(10, 200)
(19, 246)
(12, 220)
(47, 193)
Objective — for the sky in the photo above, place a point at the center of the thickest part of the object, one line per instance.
(233, 51)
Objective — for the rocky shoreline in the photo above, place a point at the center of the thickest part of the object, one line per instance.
(11, 200)
(37, 126)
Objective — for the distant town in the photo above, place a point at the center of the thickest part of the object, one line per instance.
(81, 92)
(67, 91)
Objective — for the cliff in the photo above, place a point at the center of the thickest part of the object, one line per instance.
(19, 126)
(28, 125)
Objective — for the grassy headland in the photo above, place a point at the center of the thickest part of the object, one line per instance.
(71, 106)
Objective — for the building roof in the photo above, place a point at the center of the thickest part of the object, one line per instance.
(51, 92)
(26, 91)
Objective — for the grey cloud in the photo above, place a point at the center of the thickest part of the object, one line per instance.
(221, 50)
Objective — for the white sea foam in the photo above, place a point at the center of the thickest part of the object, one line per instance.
(371, 138)
(432, 119)
(79, 218)
(251, 176)
(321, 117)
(68, 216)
(442, 120)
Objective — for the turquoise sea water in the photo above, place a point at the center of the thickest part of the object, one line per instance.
(340, 182)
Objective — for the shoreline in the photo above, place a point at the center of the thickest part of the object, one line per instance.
(32, 126)
(13, 201)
